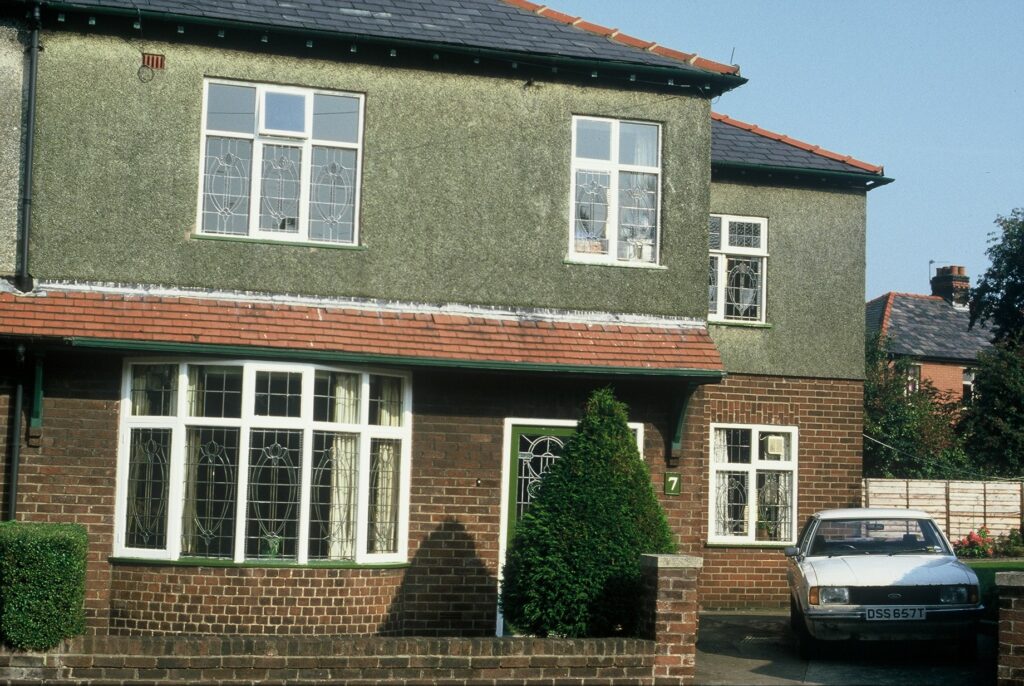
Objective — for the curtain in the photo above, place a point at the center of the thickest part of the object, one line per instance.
(344, 454)
(383, 495)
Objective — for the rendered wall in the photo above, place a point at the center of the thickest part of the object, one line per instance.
(465, 188)
(815, 279)
(12, 67)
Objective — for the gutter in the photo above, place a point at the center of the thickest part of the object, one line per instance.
(709, 83)
(23, 277)
(866, 180)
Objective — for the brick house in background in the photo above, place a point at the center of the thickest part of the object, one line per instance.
(933, 331)
(312, 297)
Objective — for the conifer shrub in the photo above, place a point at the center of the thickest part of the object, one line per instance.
(42, 583)
(573, 566)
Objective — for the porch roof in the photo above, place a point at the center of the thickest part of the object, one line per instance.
(385, 333)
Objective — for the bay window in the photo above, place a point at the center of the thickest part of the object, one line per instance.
(253, 461)
(753, 484)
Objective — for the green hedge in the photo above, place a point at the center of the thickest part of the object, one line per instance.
(42, 583)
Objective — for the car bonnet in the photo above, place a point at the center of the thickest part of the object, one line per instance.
(887, 570)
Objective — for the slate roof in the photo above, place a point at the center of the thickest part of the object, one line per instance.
(925, 326)
(736, 141)
(516, 26)
(413, 336)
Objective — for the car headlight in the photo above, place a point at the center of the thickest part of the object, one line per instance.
(954, 595)
(829, 595)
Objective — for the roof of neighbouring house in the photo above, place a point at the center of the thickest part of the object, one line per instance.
(736, 143)
(355, 331)
(505, 26)
(925, 326)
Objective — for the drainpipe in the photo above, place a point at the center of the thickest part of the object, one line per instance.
(12, 484)
(23, 279)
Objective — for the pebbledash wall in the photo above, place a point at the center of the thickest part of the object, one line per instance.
(449, 586)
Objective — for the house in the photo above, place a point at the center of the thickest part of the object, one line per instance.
(307, 297)
(933, 331)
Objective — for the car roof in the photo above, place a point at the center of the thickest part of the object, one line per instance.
(872, 513)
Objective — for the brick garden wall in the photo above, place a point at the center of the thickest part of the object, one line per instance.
(1010, 660)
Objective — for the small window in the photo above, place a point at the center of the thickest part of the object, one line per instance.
(738, 248)
(280, 163)
(967, 390)
(616, 191)
(753, 484)
(913, 379)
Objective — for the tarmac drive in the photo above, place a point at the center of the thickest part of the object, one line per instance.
(758, 649)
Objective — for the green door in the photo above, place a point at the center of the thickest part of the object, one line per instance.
(533, 450)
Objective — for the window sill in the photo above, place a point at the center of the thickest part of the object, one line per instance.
(264, 564)
(265, 241)
(748, 544)
(745, 325)
(610, 263)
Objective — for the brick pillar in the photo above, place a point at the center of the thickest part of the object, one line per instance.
(670, 596)
(1010, 662)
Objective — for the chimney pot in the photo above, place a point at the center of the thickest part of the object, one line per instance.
(952, 284)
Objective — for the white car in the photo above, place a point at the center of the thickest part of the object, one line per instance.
(873, 573)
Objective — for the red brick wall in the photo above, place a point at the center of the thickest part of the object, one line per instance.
(450, 585)
(828, 414)
(947, 378)
(1010, 663)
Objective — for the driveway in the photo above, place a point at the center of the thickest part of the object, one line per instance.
(757, 649)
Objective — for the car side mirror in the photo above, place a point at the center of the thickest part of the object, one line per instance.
(791, 551)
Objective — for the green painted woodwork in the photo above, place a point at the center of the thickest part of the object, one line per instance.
(465, 187)
(815, 278)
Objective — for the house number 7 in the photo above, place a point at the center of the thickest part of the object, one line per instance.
(672, 483)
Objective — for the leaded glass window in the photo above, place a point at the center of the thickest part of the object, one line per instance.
(736, 278)
(753, 484)
(261, 461)
(616, 187)
(280, 163)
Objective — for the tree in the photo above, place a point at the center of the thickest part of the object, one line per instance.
(573, 567)
(911, 435)
(993, 424)
(999, 296)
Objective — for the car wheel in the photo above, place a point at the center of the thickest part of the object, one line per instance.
(806, 645)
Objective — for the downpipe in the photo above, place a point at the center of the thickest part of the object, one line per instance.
(23, 277)
(19, 398)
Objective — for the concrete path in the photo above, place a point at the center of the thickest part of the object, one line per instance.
(757, 649)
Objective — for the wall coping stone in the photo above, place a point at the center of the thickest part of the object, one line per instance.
(672, 561)
(1010, 579)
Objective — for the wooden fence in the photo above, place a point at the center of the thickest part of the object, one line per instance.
(959, 507)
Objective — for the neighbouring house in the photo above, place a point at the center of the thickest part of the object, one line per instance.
(933, 331)
(311, 296)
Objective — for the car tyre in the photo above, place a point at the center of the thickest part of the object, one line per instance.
(806, 645)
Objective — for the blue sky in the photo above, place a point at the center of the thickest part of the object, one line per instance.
(931, 89)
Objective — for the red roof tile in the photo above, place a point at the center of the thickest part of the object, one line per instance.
(822, 152)
(410, 335)
(618, 37)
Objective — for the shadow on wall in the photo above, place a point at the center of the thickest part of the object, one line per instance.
(447, 590)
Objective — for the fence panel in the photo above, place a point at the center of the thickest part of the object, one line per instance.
(959, 507)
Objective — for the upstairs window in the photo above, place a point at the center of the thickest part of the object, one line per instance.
(616, 191)
(280, 163)
(738, 249)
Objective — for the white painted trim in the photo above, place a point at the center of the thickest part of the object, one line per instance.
(364, 305)
(506, 466)
(792, 466)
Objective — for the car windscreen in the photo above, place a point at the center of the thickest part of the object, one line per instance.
(877, 536)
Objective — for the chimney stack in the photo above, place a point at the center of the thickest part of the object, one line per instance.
(952, 284)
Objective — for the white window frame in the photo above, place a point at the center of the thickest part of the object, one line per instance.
(613, 167)
(249, 421)
(722, 255)
(751, 469)
(262, 137)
